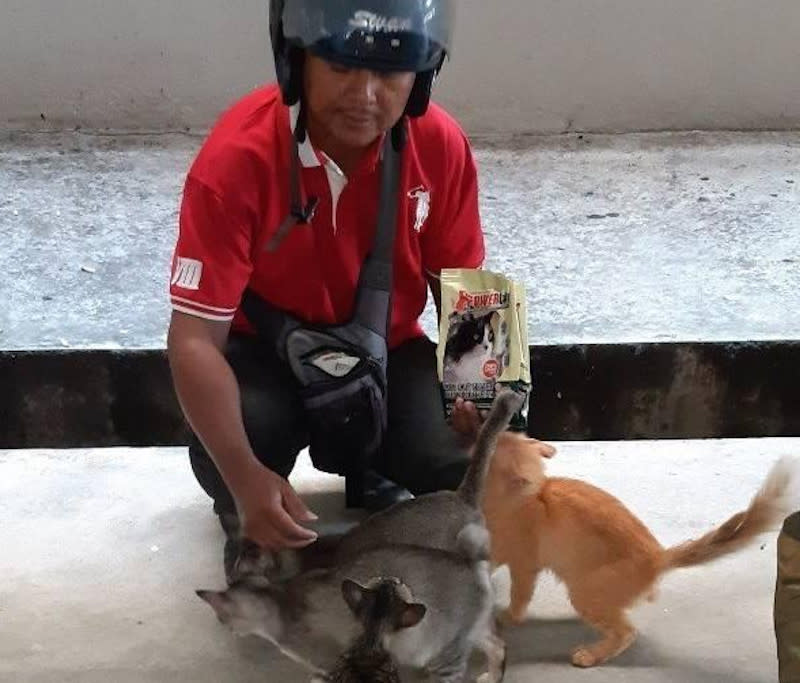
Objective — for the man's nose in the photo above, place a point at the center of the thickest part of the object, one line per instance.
(364, 85)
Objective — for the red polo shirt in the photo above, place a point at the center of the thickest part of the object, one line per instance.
(236, 196)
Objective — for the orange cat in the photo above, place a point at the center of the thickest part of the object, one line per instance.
(605, 556)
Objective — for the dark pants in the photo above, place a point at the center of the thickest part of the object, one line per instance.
(420, 450)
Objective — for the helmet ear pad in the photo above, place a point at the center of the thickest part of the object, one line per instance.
(288, 58)
(292, 84)
(420, 95)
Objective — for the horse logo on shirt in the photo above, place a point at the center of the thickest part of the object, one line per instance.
(423, 208)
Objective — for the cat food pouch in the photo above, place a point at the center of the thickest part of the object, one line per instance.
(483, 338)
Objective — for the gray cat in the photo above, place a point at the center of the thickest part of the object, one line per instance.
(307, 619)
(436, 544)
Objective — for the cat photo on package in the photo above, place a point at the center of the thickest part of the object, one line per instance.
(476, 348)
(482, 336)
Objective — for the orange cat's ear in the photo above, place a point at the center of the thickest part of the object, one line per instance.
(544, 450)
(548, 451)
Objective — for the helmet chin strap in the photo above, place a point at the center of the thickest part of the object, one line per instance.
(300, 211)
(300, 127)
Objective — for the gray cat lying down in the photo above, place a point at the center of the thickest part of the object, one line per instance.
(436, 544)
(433, 520)
(309, 621)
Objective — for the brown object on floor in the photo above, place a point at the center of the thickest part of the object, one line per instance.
(787, 601)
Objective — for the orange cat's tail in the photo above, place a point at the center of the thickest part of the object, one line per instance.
(767, 510)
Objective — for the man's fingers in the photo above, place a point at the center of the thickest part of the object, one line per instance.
(469, 416)
(276, 530)
(296, 545)
(295, 506)
(290, 531)
(276, 540)
(465, 420)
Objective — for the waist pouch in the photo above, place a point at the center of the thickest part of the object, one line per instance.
(341, 371)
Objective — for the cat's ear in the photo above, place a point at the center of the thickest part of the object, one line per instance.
(355, 595)
(412, 614)
(542, 449)
(221, 602)
(245, 611)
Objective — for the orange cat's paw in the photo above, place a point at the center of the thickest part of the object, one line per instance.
(583, 658)
(509, 617)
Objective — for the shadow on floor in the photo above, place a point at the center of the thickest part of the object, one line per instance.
(552, 640)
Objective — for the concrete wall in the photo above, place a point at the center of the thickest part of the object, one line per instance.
(520, 65)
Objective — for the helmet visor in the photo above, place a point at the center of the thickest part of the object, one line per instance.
(382, 35)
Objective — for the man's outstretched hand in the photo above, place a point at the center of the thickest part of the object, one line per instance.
(272, 513)
(466, 420)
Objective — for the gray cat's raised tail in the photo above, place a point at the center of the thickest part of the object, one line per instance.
(506, 403)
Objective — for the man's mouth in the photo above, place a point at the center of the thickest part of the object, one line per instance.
(358, 119)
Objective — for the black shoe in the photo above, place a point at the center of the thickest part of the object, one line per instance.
(381, 493)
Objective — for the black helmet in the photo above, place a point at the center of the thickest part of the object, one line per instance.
(381, 35)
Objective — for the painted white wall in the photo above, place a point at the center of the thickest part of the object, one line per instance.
(521, 66)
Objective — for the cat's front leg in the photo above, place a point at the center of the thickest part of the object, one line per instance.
(494, 648)
(523, 582)
(454, 676)
(451, 665)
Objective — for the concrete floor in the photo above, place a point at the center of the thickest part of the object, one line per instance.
(102, 550)
(687, 236)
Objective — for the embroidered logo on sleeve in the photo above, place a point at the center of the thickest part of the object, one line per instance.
(187, 273)
(423, 208)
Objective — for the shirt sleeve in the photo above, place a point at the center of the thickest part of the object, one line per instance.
(454, 238)
(211, 264)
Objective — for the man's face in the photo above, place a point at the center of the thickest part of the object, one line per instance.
(352, 107)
